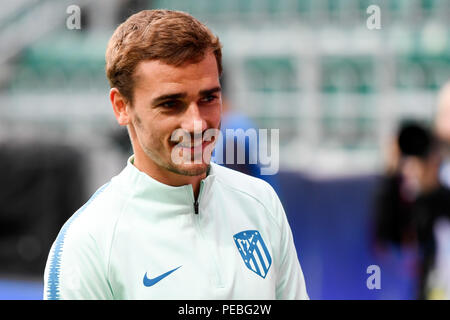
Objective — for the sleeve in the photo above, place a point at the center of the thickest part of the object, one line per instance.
(290, 283)
(75, 268)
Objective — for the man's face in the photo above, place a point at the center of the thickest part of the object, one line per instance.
(167, 98)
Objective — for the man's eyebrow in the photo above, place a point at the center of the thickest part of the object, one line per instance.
(210, 91)
(165, 97)
(182, 95)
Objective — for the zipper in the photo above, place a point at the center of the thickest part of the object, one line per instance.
(196, 207)
(219, 281)
(196, 201)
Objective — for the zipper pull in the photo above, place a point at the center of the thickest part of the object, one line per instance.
(196, 207)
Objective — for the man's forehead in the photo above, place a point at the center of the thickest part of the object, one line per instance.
(159, 71)
(149, 68)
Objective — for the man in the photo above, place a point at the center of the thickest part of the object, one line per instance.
(413, 203)
(168, 227)
(442, 130)
(438, 277)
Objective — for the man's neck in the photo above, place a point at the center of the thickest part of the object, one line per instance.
(168, 177)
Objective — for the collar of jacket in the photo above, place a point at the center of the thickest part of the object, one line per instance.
(147, 188)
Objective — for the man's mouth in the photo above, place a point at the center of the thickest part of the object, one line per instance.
(191, 145)
(194, 146)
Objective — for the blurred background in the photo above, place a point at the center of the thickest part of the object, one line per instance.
(337, 91)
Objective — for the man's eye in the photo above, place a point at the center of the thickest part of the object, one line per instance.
(170, 104)
(209, 98)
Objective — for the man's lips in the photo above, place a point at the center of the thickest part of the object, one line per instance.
(193, 147)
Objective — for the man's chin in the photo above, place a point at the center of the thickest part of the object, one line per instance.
(191, 170)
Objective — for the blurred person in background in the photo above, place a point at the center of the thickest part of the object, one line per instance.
(442, 131)
(411, 204)
(440, 276)
(234, 119)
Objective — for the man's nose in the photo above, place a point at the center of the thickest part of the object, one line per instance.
(193, 122)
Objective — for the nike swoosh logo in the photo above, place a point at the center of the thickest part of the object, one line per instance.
(150, 282)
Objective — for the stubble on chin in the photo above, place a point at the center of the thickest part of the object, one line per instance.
(197, 170)
(189, 172)
(157, 156)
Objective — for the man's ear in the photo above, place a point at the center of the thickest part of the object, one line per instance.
(119, 104)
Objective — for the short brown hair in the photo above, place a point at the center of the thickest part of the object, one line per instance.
(174, 37)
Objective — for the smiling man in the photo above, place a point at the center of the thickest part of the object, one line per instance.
(173, 225)
(167, 98)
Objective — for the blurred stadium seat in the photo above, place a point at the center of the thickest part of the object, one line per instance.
(41, 186)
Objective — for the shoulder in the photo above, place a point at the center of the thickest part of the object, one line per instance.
(78, 251)
(93, 223)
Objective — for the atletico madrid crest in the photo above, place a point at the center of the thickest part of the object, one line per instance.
(253, 251)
